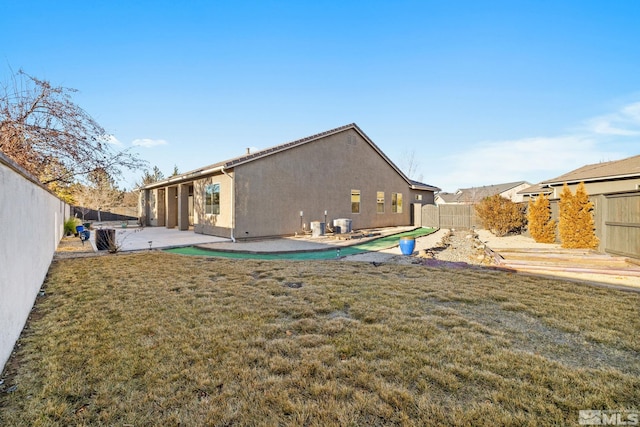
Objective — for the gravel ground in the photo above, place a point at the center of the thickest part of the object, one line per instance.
(443, 247)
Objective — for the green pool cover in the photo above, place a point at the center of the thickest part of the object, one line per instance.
(370, 246)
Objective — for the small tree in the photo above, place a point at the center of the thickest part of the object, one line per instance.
(577, 227)
(48, 134)
(588, 238)
(100, 192)
(500, 215)
(541, 226)
(150, 177)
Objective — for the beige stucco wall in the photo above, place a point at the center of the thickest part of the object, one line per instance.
(221, 224)
(265, 196)
(314, 178)
(426, 197)
(31, 220)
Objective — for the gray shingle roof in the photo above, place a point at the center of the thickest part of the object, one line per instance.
(448, 197)
(629, 167)
(476, 194)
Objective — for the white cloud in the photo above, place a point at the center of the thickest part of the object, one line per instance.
(632, 111)
(149, 143)
(527, 159)
(625, 122)
(537, 159)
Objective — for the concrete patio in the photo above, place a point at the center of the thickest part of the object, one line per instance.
(136, 239)
(132, 238)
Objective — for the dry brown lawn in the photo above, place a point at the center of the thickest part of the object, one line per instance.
(160, 339)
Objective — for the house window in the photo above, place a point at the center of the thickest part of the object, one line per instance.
(419, 197)
(396, 202)
(355, 201)
(212, 199)
(380, 202)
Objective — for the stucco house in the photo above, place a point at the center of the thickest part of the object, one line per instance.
(337, 174)
(598, 178)
(476, 194)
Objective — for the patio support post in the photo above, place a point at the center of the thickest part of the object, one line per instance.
(183, 207)
(172, 207)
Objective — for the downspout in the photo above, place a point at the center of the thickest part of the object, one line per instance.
(233, 208)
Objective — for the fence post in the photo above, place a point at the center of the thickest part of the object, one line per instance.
(416, 214)
(600, 207)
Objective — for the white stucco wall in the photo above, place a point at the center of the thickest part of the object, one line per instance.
(31, 226)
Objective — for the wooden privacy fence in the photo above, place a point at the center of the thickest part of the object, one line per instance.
(617, 221)
(621, 230)
(449, 216)
(616, 216)
(108, 214)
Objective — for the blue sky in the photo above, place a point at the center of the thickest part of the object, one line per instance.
(479, 92)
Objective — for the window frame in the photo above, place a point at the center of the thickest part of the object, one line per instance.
(356, 194)
(396, 203)
(210, 192)
(380, 202)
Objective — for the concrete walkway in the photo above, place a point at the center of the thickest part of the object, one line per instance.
(523, 254)
(136, 239)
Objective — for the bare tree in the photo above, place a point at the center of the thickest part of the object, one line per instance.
(46, 133)
(410, 166)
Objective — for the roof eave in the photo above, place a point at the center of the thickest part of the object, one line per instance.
(178, 179)
(425, 188)
(600, 178)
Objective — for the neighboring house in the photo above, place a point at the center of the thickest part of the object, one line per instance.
(337, 174)
(598, 178)
(476, 194)
(443, 198)
(535, 190)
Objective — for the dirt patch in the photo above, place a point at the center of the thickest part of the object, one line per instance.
(73, 247)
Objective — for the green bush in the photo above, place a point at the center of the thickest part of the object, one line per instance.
(70, 225)
(500, 215)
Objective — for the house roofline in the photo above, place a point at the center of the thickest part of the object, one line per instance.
(288, 145)
(421, 186)
(232, 163)
(599, 178)
(181, 178)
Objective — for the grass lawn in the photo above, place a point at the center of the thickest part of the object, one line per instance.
(162, 339)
